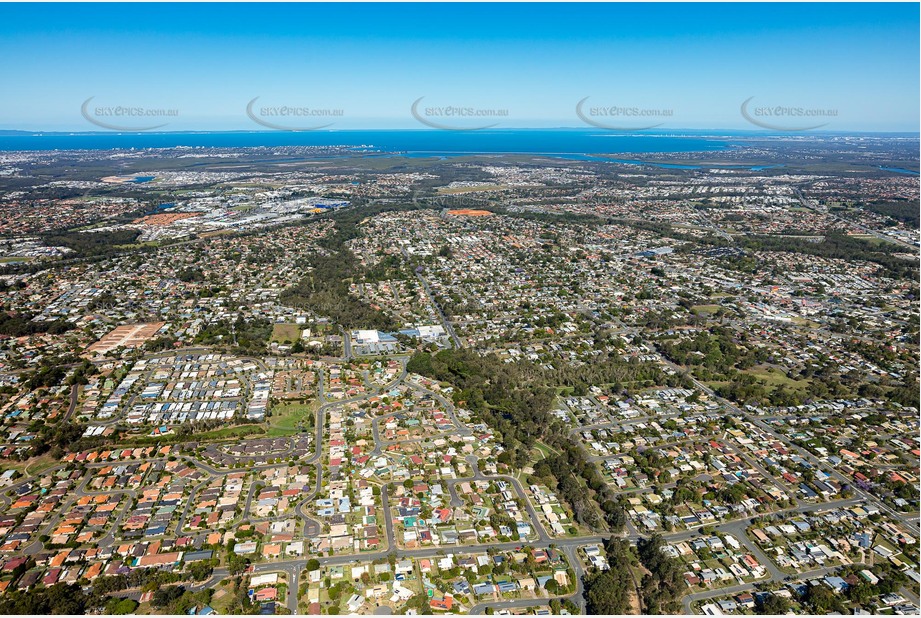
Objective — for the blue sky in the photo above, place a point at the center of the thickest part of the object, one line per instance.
(537, 61)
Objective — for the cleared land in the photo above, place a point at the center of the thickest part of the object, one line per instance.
(166, 218)
(286, 333)
(469, 212)
(127, 336)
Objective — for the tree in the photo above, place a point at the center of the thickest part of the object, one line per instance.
(236, 564)
(608, 592)
(163, 597)
(773, 604)
(822, 600)
(57, 599)
(663, 586)
(120, 607)
(201, 571)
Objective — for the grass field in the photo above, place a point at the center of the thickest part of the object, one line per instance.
(286, 333)
(31, 466)
(544, 451)
(230, 432)
(226, 433)
(775, 378)
(287, 419)
(771, 377)
(705, 308)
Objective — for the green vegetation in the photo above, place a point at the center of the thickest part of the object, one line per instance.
(243, 336)
(21, 324)
(543, 451)
(515, 399)
(31, 466)
(92, 244)
(573, 473)
(609, 592)
(177, 600)
(741, 372)
(190, 275)
(325, 290)
(74, 600)
(185, 432)
(904, 211)
(60, 438)
(290, 418)
(512, 398)
(773, 605)
(840, 246)
(834, 245)
(662, 587)
(57, 599)
(121, 607)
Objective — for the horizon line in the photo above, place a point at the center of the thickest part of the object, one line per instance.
(612, 132)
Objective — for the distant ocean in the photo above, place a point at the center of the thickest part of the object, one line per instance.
(574, 143)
